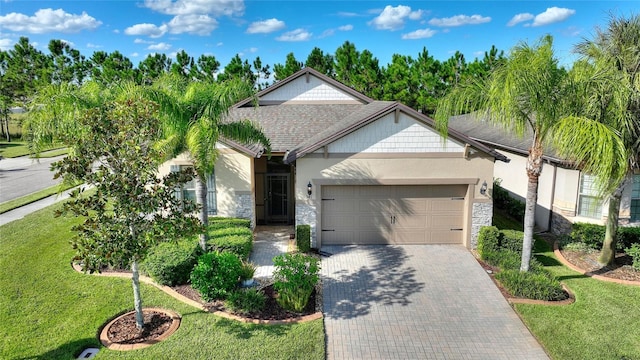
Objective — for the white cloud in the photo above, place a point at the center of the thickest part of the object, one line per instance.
(199, 7)
(253, 49)
(192, 24)
(135, 54)
(142, 41)
(347, 14)
(266, 26)
(93, 46)
(552, 15)
(347, 27)
(5, 44)
(393, 18)
(419, 34)
(150, 30)
(327, 33)
(518, 18)
(295, 35)
(220, 43)
(459, 20)
(49, 20)
(159, 46)
(70, 43)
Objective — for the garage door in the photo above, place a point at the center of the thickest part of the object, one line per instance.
(402, 214)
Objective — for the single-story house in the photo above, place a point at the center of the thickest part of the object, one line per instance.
(358, 171)
(565, 195)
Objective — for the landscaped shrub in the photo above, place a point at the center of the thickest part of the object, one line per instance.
(226, 231)
(216, 275)
(628, 235)
(503, 200)
(224, 222)
(488, 241)
(593, 235)
(239, 245)
(511, 240)
(247, 270)
(245, 301)
(634, 252)
(531, 285)
(171, 263)
(303, 237)
(295, 278)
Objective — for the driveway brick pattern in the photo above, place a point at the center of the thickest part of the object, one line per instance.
(417, 302)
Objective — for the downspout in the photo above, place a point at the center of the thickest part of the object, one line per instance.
(553, 197)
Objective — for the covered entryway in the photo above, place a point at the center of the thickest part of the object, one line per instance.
(393, 214)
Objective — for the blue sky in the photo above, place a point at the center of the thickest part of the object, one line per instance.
(272, 29)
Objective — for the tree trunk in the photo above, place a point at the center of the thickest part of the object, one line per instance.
(201, 199)
(137, 299)
(534, 169)
(608, 252)
(529, 222)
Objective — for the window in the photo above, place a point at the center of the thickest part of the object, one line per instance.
(188, 190)
(635, 198)
(589, 204)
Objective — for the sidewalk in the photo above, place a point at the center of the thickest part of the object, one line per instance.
(269, 242)
(19, 213)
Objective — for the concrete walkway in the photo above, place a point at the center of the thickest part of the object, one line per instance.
(417, 302)
(269, 242)
(19, 213)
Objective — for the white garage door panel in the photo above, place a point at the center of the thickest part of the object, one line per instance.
(376, 214)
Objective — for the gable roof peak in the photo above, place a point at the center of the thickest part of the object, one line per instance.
(307, 71)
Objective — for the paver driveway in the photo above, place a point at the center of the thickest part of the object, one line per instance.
(417, 302)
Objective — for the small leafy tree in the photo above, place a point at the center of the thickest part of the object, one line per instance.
(131, 209)
(295, 275)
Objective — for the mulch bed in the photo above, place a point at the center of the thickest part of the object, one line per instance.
(588, 261)
(125, 331)
(271, 311)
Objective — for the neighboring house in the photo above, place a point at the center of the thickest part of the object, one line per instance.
(358, 171)
(565, 195)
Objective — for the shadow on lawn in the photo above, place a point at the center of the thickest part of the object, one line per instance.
(66, 351)
(387, 281)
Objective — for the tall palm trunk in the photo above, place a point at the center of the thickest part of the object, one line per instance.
(608, 252)
(137, 299)
(534, 168)
(201, 199)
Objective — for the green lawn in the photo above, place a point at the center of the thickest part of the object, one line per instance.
(20, 148)
(48, 311)
(28, 199)
(603, 323)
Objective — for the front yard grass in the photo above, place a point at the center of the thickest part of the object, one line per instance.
(48, 311)
(603, 323)
(21, 148)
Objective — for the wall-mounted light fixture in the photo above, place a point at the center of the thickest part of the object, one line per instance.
(309, 188)
(483, 188)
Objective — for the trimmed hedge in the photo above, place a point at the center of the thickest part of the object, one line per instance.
(303, 237)
(502, 200)
(503, 249)
(592, 235)
(223, 222)
(171, 263)
(240, 245)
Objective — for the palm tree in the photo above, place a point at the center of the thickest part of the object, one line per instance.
(524, 93)
(610, 73)
(194, 120)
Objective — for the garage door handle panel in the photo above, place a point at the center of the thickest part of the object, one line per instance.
(456, 229)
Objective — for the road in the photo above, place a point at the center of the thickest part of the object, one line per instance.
(22, 176)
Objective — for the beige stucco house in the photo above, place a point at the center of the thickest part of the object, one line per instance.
(565, 195)
(358, 171)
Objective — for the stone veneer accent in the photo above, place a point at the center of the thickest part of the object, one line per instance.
(244, 206)
(482, 214)
(306, 215)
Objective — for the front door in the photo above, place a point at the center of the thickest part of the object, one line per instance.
(277, 198)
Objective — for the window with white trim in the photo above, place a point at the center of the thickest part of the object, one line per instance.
(589, 204)
(188, 191)
(635, 198)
